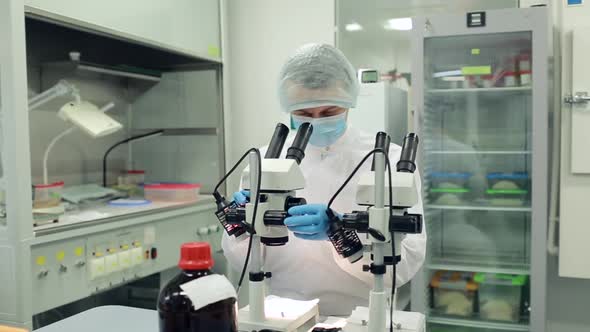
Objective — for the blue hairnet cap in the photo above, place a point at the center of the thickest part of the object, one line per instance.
(317, 75)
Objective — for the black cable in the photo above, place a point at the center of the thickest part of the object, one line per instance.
(356, 169)
(245, 267)
(256, 198)
(394, 272)
(127, 140)
(233, 169)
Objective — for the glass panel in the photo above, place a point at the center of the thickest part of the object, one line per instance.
(369, 39)
(491, 239)
(477, 148)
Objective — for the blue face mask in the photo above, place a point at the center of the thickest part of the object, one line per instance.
(326, 131)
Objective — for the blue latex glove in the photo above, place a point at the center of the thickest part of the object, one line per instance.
(309, 222)
(242, 197)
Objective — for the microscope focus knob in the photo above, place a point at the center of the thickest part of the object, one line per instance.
(294, 201)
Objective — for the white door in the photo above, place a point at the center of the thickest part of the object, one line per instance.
(575, 163)
(580, 112)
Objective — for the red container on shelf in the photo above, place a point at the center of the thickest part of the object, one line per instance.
(47, 195)
(172, 192)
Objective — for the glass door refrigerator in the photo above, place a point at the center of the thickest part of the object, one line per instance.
(481, 95)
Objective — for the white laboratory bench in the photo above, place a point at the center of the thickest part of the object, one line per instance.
(107, 318)
(93, 250)
(128, 319)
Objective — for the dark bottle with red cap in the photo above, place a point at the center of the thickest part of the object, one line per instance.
(175, 308)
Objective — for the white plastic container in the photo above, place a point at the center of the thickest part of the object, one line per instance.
(526, 77)
(172, 192)
(47, 195)
(487, 81)
(453, 293)
(524, 62)
(510, 79)
(500, 296)
(132, 177)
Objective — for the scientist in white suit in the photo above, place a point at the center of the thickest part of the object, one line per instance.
(319, 85)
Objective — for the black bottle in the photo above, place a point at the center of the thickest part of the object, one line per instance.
(176, 310)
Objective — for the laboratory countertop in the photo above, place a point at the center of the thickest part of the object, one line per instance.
(129, 319)
(107, 318)
(107, 213)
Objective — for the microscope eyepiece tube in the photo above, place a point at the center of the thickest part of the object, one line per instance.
(382, 141)
(407, 160)
(277, 142)
(297, 149)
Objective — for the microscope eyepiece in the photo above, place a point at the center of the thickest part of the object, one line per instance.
(382, 141)
(297, 149)
(277, 142)
(407, 160)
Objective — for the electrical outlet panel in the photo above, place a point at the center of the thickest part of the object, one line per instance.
(77, 267)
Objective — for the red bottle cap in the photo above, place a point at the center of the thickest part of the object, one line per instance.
(195, 256)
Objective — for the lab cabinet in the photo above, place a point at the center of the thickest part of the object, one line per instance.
(480, 91)
(186, 26)
(167, 79)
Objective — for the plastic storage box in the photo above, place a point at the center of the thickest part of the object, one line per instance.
(449, 188)
(508, 188)
(500, 296)
(47, 195)
(453, 293)
(172, 192)
(131, 182)
(132, 177)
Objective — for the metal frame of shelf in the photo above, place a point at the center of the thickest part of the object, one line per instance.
(482, 90)
(434, 152)
(479, 208)
(532, 20)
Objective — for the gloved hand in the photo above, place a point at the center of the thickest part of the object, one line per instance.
(309, 222)
(242, 197)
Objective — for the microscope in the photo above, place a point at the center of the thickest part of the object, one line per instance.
(386, 220)
(272, 194)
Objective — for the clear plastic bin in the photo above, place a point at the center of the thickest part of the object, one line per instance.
(453, 293)
(449, 188)
(172, 192)
(500, 296)
(47, 195)
(508, 188)
(132, 177)
(131, 183)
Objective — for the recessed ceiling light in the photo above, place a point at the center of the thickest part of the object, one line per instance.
(353, 27)
(404, 23)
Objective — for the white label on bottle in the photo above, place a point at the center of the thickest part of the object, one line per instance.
(207, 290)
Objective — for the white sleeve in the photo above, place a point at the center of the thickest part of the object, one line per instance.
(413, 252)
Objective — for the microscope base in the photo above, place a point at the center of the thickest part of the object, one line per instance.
(408, 322)
(302, 323)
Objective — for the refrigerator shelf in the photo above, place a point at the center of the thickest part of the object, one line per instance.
(525, 152)
(500, 90)
(479, 208)
(465, 264)
(475, 323)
